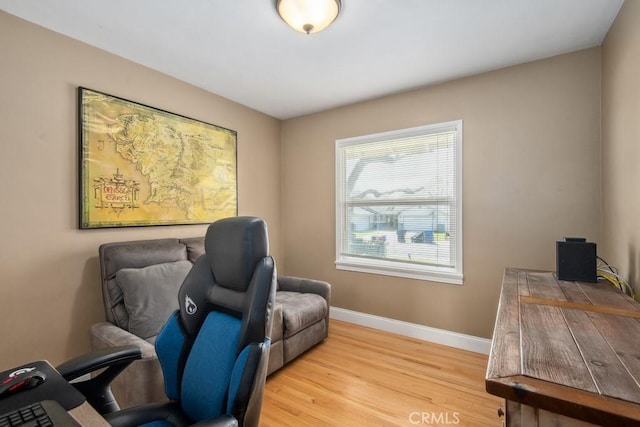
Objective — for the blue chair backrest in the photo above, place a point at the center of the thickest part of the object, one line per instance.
(214, 349)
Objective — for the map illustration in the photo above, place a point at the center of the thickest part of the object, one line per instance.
(142, 166)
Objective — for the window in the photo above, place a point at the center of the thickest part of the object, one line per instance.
(399, 203)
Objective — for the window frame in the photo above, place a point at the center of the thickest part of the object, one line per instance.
(453, 275)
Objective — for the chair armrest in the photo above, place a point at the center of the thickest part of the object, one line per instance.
(97, 390)
(299, 284)
(99, 359)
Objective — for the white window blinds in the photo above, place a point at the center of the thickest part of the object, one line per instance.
(398, 206)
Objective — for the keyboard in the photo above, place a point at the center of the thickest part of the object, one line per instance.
(47, 413)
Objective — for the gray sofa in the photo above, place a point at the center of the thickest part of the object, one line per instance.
(140, 281)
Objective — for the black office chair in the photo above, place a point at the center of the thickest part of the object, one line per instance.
(214, 350)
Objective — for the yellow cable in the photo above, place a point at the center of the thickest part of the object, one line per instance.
(618, 282)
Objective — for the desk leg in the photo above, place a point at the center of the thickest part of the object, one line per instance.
(519, 415)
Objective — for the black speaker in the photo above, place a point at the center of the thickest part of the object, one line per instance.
(576, 260)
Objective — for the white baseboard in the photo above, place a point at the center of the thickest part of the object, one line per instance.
(421, 332)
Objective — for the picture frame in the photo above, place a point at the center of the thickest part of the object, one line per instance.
(143, 166)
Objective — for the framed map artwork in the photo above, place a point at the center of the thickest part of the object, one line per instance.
(142, 166)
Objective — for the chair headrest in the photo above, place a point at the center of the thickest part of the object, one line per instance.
(233, 247)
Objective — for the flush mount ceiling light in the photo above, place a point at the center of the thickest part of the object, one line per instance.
(308, 16)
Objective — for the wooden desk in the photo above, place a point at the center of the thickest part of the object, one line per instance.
(565, 351)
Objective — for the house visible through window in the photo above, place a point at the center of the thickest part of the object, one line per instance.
(399, 203)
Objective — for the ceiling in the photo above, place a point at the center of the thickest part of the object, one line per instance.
(243, 51)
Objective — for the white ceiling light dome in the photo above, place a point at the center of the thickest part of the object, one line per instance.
(308, 16)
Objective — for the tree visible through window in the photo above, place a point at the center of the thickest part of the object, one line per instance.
(399, 203)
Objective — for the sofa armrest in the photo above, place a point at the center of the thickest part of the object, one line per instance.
(300, 284)
(107, 335)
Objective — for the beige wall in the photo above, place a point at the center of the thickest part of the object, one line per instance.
(49, 277)
(621, 143)
(531, 153)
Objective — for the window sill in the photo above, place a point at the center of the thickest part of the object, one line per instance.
(408, 271)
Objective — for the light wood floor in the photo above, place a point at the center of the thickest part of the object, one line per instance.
(365, 377)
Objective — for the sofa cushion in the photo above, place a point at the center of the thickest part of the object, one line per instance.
(133, 254)
(300, 310)
(151, 294)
